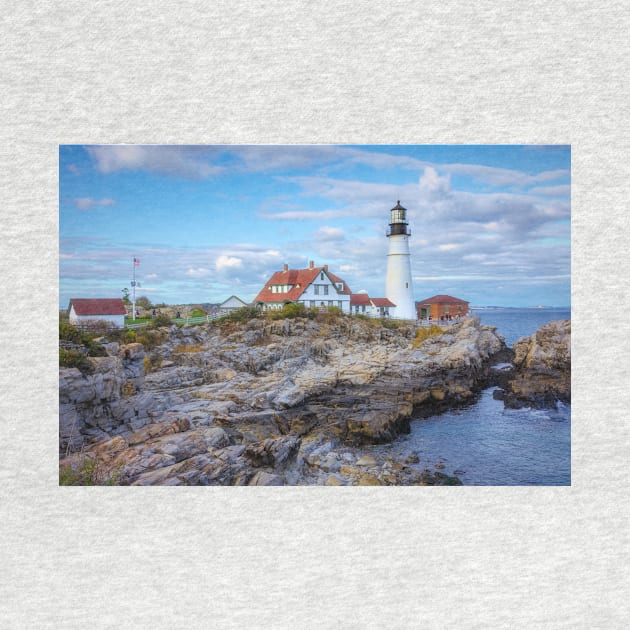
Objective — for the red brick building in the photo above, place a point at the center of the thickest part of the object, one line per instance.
(441, 307)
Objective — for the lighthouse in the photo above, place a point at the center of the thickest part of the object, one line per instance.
(398, 287)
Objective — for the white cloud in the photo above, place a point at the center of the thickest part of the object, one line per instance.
(327, 233)
(228, 262)
(181, 161)
(552, 191)
(433, 183)
(198, 272)
(85, 203)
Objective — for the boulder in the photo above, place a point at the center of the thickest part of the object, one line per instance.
(542, 368)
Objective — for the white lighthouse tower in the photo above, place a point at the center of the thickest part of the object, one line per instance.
(398, 287)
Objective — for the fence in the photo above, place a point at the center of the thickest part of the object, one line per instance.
(177, 320)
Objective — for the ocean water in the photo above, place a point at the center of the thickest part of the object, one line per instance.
(514, 323)
(486, 444)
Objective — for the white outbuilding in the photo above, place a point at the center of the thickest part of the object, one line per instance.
(81, 311)
(233, 303)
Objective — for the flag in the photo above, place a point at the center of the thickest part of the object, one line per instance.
(136, 262)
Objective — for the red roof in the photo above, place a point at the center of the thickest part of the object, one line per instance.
(363, 299)
(360, 299)
(336, 279)
(382, 302)
(105, 306)
(299, 280)
(442, 299)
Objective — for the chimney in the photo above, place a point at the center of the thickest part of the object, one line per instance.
(311, 264)
(286, 267)
(325, 267)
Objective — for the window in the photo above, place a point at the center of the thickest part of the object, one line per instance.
(325, 289)
(316, 288)
(321, 275)
(312, 303)
(398, 216)
(340, 304)
(406, 285)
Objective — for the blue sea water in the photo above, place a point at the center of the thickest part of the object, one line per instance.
(486, 444)
(514, 323)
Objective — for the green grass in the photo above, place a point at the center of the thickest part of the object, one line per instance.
(138, 320)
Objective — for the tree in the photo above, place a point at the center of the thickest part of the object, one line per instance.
(143, 302)
(125, 297)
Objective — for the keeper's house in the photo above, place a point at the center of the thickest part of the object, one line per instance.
(318, 287)
(81, 311)
(441, 307)
(314, 287)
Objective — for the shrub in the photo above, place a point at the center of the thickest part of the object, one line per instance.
(187, 348)
(425, 333)
(327, 315)
(291, 311)
(88, 473)
(76, 359)
(243, 314)
(392, 324)
(95, 349)
(68, 332)
(150, 338)
(159, 321)
(151, 363)
(122, 335)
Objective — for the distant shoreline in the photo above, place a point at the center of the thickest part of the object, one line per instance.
(506, 308)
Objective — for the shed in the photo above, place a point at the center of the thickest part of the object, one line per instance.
(441, 307)
(233, 303)
(83, 310)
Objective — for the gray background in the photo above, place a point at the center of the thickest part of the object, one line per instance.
(302, 72)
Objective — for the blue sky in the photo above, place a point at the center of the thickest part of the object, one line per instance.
(490, 224)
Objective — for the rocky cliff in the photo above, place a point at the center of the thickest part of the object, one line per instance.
(542, 368)
(268, 402)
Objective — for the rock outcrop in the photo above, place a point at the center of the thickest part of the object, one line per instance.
(269, 403)
(542, 368)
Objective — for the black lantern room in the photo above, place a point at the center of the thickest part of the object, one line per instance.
(398, 223)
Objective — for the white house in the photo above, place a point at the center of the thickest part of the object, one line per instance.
(363, 304)
(82, 310)
(313, 287)
(233, 303)
(317, 287)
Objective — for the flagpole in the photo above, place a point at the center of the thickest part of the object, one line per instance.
(133, 284)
